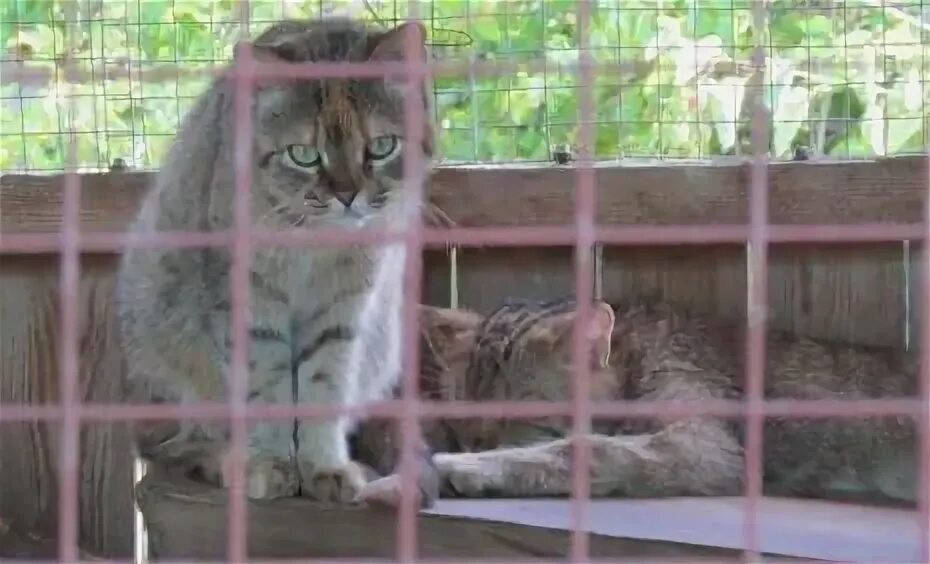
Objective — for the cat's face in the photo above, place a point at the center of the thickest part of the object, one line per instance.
(540, 366)
(331, 151)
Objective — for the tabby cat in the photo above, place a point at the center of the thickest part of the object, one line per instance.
(521, 351)
(660, 352)
(325, 322)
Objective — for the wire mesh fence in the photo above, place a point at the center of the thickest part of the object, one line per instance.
(691, 94)
(842, 79)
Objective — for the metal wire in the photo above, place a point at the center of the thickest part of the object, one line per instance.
(240, 292)
(414, 121)
(583, 235)
(757, 306)
(155, 52)
(923, 421)
(636, 235)
(69, 462)
(584, 282)
(211, 411)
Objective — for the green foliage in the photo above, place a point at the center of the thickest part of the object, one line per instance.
(847, 83)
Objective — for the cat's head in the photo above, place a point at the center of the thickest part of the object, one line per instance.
(539, 366)
(330, 151)
(542, 355)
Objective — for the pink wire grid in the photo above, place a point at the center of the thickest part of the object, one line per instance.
(583, 234)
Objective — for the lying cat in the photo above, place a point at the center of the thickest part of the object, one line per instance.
(522, 352)
(450, 371)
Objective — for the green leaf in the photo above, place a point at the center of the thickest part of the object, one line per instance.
(791, 113)
(531, 144)
(515, 115)
(720, 105)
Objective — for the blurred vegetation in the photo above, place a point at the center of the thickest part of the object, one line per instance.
(844, 79)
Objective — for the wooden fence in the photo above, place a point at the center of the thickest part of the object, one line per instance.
(858, 292)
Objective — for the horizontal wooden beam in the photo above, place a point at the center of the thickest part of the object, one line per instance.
(801, 193)
(188, 521)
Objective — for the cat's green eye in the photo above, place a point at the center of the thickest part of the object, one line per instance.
(382, 148)
(305, 156)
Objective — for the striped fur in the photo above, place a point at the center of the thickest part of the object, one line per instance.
(521, 351)
(325, 322)
(661, 352)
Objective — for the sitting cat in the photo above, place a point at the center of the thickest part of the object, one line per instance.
(324, 322)
(658, 352)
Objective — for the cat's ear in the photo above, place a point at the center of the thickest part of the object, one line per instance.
(281, 44)
(261, 52)
(451, 331)
(602, 331)
(599, 330)
(391, 46)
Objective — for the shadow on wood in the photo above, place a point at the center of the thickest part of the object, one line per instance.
(187, 519)
(31, 545)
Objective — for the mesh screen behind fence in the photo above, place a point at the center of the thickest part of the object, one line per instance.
(841, 79)
(87, 83)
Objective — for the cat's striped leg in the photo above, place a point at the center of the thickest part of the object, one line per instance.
(685, 458)
(387, 490)
(271, 470)
(326, 470)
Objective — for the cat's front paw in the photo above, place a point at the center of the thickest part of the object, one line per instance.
(463, 475)
(383, 491)
(339, 485)
(386, 491)
(265, 477)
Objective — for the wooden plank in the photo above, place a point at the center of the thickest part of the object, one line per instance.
(854, 293)
(188, 521)
(709, 280)
(487, 277)
(916, 267)
(30, 545)
(885, 190)
(29, 336)
(846, 292)
(436, 277)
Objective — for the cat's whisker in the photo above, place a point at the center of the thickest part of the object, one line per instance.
(279, 210)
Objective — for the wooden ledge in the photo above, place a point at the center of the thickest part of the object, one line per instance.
(31, 545)
(188, 520)
(835, 192)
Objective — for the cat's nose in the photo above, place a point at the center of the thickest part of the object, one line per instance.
(346, 197)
